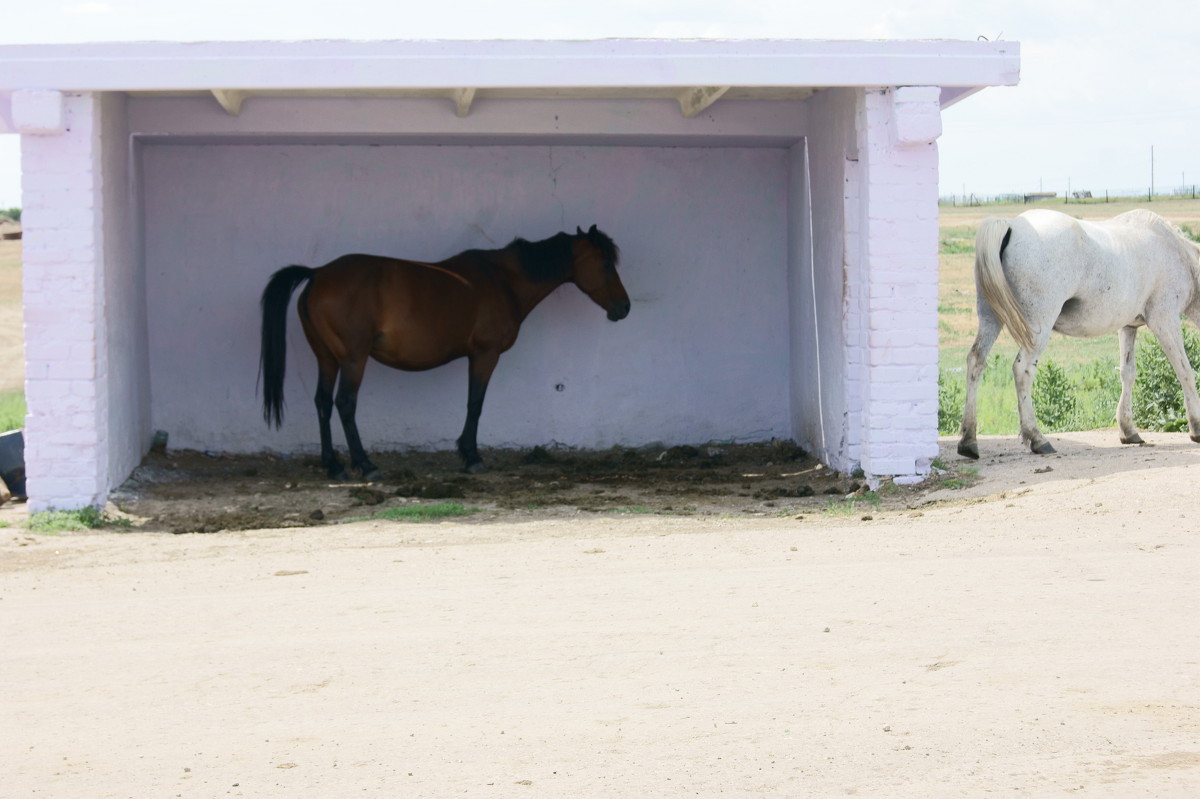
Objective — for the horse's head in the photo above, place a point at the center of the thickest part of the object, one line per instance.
(595, 271)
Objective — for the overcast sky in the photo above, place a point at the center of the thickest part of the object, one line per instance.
(1102, 81)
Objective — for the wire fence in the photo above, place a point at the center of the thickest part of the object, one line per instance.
(1147, 195)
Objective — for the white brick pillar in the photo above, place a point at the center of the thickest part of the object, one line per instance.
(897, 237)
(65, 429)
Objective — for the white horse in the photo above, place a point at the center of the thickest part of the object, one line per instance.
(1048, 271)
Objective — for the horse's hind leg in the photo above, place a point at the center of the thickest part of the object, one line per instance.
(989, 329)
(1023, 369)
(1170, 337)
(1129, 433)
(347, 407)
(324, 401)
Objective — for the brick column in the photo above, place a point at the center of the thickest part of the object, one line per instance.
(898, 133)
(65, 429)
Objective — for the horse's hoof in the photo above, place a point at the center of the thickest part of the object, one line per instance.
(372, 475)
(969, 450)
(1133, 439)
(1044, 448)
(1196, 437)
(338, 475)
(475, 468)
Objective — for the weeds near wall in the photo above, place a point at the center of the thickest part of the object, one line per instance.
(73, 521)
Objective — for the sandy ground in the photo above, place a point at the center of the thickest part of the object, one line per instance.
(1032, 635)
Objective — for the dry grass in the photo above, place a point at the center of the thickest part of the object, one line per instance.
(1181, 212)
(12, 357)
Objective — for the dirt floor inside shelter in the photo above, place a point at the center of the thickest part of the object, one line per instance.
(187, 491)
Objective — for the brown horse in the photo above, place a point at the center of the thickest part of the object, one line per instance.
(415, 316)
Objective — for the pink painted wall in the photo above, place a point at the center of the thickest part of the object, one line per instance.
(703, 355)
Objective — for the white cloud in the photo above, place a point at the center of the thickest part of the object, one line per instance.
(89, 8)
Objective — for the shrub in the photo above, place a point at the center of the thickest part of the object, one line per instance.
(12, 213)
(1054, 398)
(951, 396)
(1157, 396)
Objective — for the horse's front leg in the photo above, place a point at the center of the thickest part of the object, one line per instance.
(1129, 433)
(479, 374)
(1023, 369)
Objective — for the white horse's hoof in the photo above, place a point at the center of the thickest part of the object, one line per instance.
(1045, 448)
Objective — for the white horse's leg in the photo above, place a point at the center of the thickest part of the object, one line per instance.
(1170, 336)
(1129, 433)
(989, 329)
(1024, 367)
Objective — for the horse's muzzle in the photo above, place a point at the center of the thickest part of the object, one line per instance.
(618, 311)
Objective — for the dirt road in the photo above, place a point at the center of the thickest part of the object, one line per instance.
(1033, 635)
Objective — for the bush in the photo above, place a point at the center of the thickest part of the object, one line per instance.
(1054, 398)
(952, 393)
(1157, 395)
(12, 213)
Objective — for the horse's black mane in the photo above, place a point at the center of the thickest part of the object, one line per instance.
(550, 259)
(546, 260)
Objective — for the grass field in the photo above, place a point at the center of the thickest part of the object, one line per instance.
(1090, 363)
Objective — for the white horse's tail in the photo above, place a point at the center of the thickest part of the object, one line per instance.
(989, 276)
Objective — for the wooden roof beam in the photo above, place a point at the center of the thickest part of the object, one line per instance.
(698, 98)
(462, 101)
(230, 100)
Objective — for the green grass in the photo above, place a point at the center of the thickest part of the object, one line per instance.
(847, 507)
(957, 240)
(424, 513)
(12, 411)
(961, 477)
(1093, 386)
(73, 521)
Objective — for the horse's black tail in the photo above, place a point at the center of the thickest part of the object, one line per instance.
(272, 358)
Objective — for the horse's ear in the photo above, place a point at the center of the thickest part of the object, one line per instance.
(592, 230)
(578, 230)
